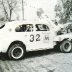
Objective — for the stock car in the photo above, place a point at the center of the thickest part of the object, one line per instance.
(19, 37)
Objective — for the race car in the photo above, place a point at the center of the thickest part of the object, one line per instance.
(19, 37)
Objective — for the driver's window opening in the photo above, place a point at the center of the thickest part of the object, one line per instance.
(24, 28)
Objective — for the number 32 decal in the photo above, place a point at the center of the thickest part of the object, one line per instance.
(32, 37)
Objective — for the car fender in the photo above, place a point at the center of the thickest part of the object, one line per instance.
(63, 37)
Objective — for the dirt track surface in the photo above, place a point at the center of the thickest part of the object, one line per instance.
(40, 61)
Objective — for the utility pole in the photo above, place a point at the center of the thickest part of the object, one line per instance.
(23, 9)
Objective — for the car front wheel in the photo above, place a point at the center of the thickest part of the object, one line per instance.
(16, 51)
(66, 46)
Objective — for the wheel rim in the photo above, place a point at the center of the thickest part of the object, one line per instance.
(17, 52)
(67, 47)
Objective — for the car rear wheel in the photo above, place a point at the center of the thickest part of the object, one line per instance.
(16, 51)
(66, 46)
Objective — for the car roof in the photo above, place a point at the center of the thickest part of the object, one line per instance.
(40, 21)
(27, 22)
(14, 24)
(22, 22)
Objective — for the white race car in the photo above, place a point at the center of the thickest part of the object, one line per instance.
(18, 37)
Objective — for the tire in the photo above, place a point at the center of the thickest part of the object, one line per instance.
(16, 52)
(65, 46)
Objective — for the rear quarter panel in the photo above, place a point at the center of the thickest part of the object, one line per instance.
(7, 38)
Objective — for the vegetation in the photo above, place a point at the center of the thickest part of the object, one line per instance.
(64, 10)
(7, 6)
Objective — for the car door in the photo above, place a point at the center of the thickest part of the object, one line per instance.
(44, 39)
(26, 35)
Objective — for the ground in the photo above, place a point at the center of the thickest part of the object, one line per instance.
(39, 61)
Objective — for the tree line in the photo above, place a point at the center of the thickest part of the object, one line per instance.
(64, 10)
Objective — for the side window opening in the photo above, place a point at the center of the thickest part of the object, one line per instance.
(46, 27)
(42, 27)
(24, 28)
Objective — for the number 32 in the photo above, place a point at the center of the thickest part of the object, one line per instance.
(32, 38)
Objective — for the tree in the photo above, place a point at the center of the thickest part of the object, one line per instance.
(8, 6)
(64, 10)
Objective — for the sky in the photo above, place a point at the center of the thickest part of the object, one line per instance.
(31, 7)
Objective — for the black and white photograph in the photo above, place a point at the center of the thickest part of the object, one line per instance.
(35, 35)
